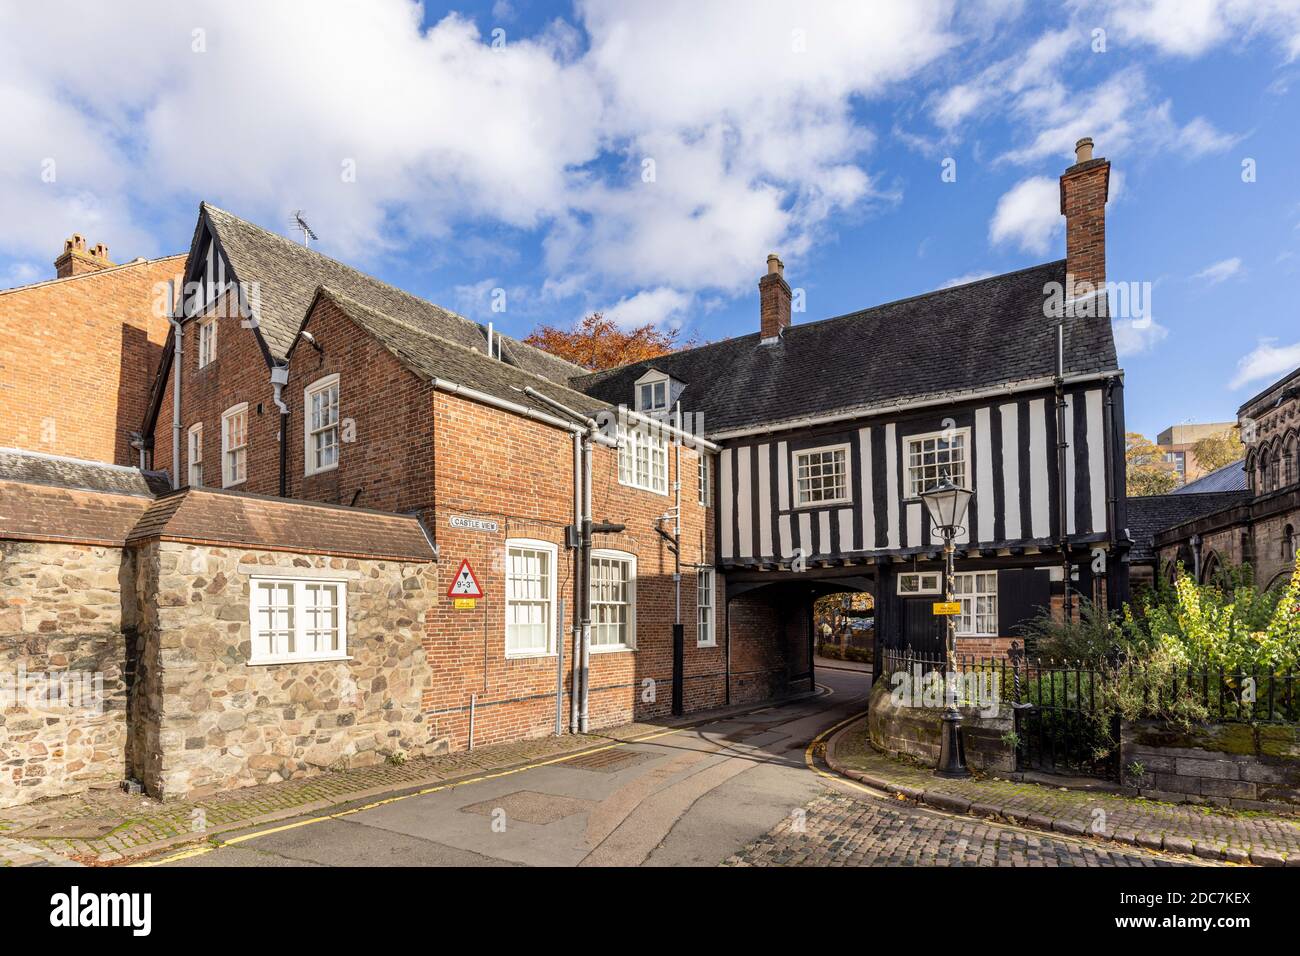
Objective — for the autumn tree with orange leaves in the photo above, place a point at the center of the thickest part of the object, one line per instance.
(598, 343)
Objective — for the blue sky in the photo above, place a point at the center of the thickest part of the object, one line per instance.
(643, 159)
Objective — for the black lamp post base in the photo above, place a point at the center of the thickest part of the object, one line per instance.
(952, 749)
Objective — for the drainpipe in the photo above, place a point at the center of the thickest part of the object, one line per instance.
(1062, 445)
(679, 634)
(577, 585)
(178, 338)
(585, 597)
(1112, 537)
(280, 378)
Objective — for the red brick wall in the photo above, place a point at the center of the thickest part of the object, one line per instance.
(519, 473)
(77, 358)
(418, 449)
(237, 373)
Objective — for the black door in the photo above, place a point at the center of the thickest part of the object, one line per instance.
(920, 627)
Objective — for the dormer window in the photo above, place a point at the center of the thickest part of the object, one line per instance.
(653, 393)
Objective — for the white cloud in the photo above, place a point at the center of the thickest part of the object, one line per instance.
(663, 307)
(1267, 362)
(1220, 271)
(753, 135)
(964, 279)
(1135, 336)
(1029, 215)
(1190, 28)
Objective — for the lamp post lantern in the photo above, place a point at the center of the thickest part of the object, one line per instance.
(947, 504)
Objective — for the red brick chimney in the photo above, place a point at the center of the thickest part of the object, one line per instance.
(774, 300)
(1084, 188)
(76, 260)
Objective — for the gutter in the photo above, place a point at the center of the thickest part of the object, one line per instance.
(867, 411)
(474, 395)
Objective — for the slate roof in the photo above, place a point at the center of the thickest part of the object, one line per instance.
(1230, 477)
(1151, 514)
(224, 518)
(430, 356)
(60, 472)
(979, 335)
(288, 275)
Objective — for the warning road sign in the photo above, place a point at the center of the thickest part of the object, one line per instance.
(464, 584)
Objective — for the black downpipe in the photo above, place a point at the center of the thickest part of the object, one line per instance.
(284, 454)
(1061, 488)
(679, 668)
(726, 635)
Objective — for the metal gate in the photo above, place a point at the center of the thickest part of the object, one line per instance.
(1059, 728)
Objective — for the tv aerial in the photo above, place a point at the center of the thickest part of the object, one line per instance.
(300, 224)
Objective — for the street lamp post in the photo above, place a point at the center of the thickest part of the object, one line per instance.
(947, 506)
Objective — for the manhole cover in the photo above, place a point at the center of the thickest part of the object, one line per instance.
(607, 761)
(529, 806)
(86, 828)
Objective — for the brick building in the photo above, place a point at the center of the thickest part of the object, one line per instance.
(1177, 442)
(334, 451)
(79, 352)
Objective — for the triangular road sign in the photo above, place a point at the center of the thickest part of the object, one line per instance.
(464, 584)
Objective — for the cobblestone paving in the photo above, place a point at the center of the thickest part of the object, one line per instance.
(1183, 828)
(842, 831)
(111, 825)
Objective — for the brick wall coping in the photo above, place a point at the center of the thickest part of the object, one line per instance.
(134, 264)
(34, 512)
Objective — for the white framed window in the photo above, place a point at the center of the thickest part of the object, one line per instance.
(613, 601)
(207, 340)
(234, 445)
(320, 426)
(935, 456)
(920, 582)
(652, 393)
(530, 598)
(194, 454)
(643, 458)
(978, 593)
(297, 619)
(705, 635)
(821, 476)
(706, 485)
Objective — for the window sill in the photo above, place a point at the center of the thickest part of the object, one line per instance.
(321, 471)
(234, 484)
(612, 648)
(709, 645)
(268, 661)
(653, 491)
(528, 656)
(839, 502)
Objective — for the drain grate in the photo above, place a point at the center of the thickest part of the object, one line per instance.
(607, 761)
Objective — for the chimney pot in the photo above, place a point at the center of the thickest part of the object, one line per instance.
(775, 265)
(1083, 150)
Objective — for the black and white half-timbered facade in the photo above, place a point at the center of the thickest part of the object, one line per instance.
(829, 430)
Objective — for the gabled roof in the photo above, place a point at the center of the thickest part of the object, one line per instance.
(432, 357)
(1229, 477)
(981, 335)
(1148, 515)
(31, 511)
(288, 274)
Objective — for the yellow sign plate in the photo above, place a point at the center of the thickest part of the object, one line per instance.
(465, 604)
(947, 607)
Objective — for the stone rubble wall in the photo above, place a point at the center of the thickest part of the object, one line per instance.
(915, 731)
(223, 723)
(64, 629)
(1246, 766)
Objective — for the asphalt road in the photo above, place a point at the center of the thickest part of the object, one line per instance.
(735, 790)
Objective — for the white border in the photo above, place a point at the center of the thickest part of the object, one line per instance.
(845, 447)
(319, 385)
(534, 544)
